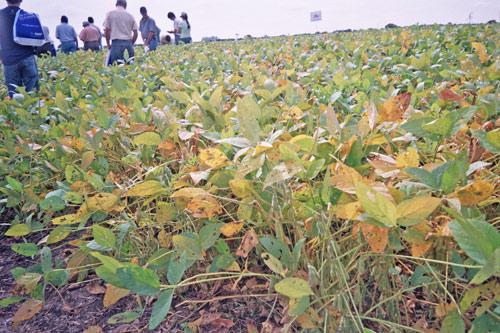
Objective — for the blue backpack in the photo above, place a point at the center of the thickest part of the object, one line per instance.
(28, 29)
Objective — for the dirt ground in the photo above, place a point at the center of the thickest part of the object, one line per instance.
(78, 307)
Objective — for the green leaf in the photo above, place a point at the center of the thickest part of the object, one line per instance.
(453, 172)
(53, 204)
(25, 249)
(315, 168)
(477, 238)
(298, 306)
(176, 268)
(161, 308)
(107, 271)
(140, 280)
(14, 184)
(189, 244)
(442, 127)
(103, 236)
(376, 205)
(248, 113)
(453, 323)
(57, 277)
(46, 259)
(424, 176)
(181, 97)
(147, 139)
(209, 234)
(471, 296)
(124, 318)
(18, 230)
(485, 323)
(293, 288)
(5, 302)
(491, 267)
(489, 140)
(58, 234)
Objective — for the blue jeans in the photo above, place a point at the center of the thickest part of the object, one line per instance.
(186, 40)
(68, 47)
(118, 47)
(177, 39)
(153, 44)
(24, 73)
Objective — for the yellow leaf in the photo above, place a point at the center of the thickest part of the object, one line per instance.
(309, 320)
(394, 108)
(349, 211)
(481, 52)
(419, 249)
(345, 178)
(146, 189)
(93, 329)
(234, 267)
(262, 148)
(242, 188)
(408, 159)
(231, 229)
(164, 239)
(27, 311)
(376, 237)
(113, 295)
(414, 211)
(165, 212)
(204, 207)
(189, 193)
(213, 158)
(67, 219)
(87, 159)
(475, 193)
(101, 202)
(147, 139)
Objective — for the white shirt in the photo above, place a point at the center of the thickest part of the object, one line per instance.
(185, 30)
(177, 23)
(121, 23)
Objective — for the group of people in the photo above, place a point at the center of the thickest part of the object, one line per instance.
(120, 34)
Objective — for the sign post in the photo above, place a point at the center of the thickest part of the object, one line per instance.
(316, 17)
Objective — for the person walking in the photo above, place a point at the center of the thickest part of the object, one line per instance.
(90, 37)
(185, 29)
(48, 48)
(19, 63)
(67, 35)
(176, 30)
(120, 29)
(91, 21)
(149, 30)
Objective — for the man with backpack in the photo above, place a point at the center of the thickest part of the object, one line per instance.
(19, 63)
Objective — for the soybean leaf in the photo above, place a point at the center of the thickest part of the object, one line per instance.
(161, 308)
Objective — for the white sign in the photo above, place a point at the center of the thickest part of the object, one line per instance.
(316, 16)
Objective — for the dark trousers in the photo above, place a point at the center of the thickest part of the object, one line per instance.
(24, 73)
(94, 46)
(118, 48)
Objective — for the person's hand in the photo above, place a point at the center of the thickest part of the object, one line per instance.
(109, 47)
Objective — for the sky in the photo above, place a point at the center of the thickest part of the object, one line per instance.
(228, 18)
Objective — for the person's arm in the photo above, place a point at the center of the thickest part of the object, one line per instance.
(135, 35)
(75, 37)
(150, 38)
(107, 34)
(58, 36)
(83, 35)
